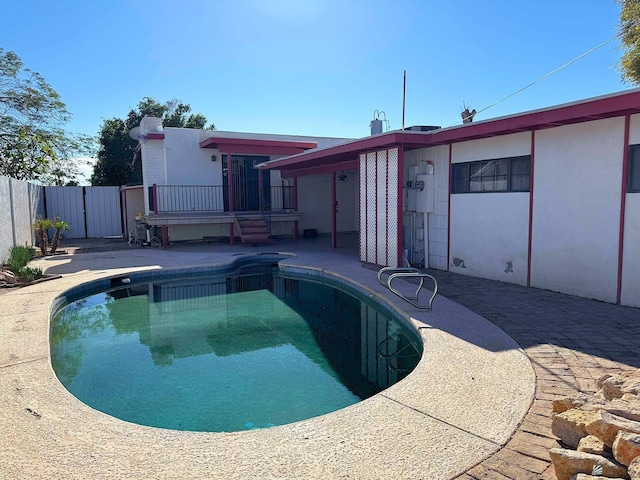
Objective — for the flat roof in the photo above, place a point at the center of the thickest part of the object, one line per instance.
(346, 154)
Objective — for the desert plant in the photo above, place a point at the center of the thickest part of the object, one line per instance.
(19, 257)
(31, 273)
(41, 227)
(59, 225)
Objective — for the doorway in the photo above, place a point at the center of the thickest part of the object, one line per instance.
(246, 186)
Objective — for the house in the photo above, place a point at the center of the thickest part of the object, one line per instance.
(548, 198)
(203, 184)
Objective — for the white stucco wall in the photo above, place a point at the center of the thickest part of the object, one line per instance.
(489, 235)
(153, 167)
(347, 198)
(576, 208)
(314, 202)
(186, 162)
(495, 147)
(490, 231)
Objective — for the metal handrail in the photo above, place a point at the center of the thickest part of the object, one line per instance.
(408, 273)
(391, 270)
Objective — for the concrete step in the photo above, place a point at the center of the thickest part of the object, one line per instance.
(253, 230)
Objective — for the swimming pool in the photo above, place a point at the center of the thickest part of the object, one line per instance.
(226, 352)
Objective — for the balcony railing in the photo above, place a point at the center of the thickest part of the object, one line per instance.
(210, 198)
(186, 198)
(280, 199)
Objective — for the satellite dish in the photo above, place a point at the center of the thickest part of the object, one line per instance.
(134, 133)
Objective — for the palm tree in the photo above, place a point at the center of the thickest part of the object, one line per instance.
(41, 227)
(59, 225)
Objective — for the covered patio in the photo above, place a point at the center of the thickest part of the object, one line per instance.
(377, 161)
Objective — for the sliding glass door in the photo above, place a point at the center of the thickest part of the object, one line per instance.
(246, 191)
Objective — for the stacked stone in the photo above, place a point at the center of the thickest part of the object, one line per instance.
(601, 431)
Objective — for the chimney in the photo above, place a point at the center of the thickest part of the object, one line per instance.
(150, 124)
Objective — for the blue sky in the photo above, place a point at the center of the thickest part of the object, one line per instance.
(314, 67)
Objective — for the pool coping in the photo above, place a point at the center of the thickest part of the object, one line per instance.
(426, 424)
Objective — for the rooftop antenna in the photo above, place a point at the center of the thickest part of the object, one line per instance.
(404, 96)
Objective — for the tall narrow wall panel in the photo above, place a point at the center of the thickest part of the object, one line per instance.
(381, 208)
(392, 207)
(379, 204)
(371, 209)
(363, 205)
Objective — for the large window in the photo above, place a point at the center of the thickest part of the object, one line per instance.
(634, 169)
(498, 175)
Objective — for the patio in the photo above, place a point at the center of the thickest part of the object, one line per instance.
(493, 421)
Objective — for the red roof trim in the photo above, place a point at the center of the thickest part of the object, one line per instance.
(155, 136)
(598, 108)
(586, 111)
(348, 151)
(257, 146)
(212, 142)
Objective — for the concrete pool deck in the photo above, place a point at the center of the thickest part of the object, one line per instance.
(466, 411)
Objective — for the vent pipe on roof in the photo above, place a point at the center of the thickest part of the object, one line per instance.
(377, 123)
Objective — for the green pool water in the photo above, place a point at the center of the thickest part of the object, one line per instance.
(227, 353)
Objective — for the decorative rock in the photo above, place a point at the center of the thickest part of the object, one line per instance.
(634, 469)
(628, 407)
(626, 447)
(606, 426)
(567, 403)
(611, 388)
(602, 379)
(615, 387)
(8, 277)
(569, 462)
(570, 426)
(594, 445)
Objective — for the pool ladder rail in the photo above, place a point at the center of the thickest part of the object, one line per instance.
(393, 273)
(400, 353)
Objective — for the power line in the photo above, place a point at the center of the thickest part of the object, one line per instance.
(554, 71)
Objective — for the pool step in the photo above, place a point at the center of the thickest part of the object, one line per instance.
(254, 229)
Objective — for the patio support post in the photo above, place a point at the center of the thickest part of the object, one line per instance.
(260, 190)
(123, 195)
(155, 199)
(334, 212)
(532, 152)
(295, 206)
(232, 239)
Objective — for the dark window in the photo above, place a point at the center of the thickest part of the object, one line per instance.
(634, 169)
(499, 175)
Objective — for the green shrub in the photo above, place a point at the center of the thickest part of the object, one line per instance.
(31, 273)
(19, 257)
